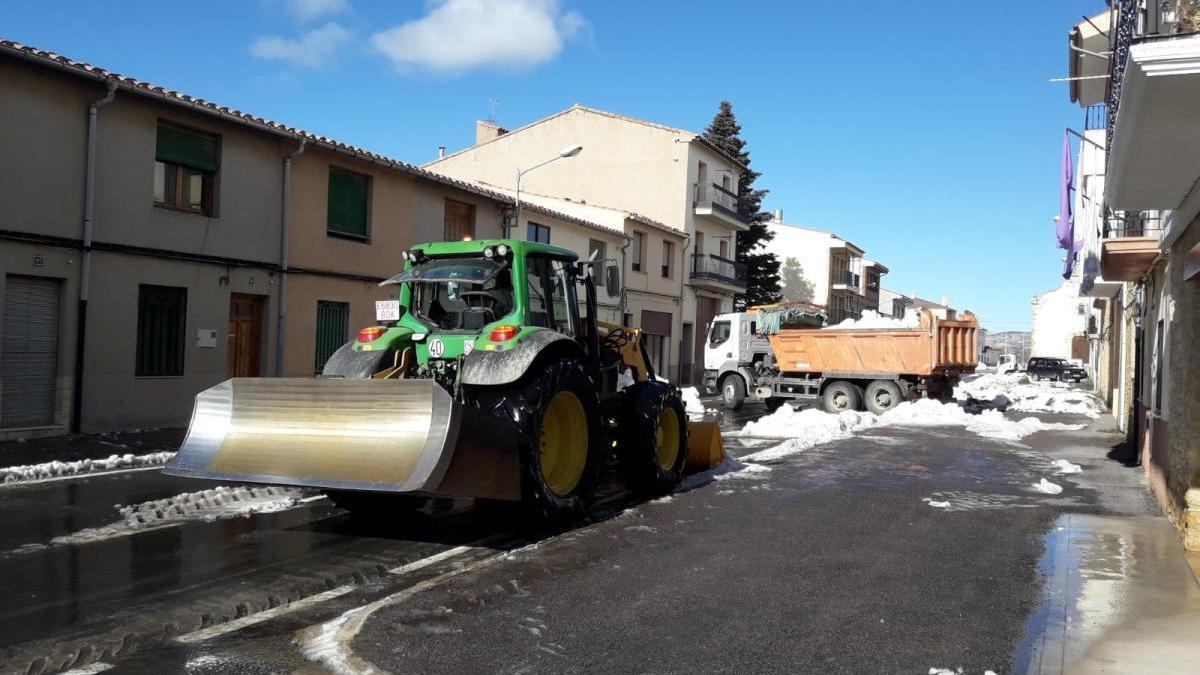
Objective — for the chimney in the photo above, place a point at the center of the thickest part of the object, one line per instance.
(779, 215)
(441, 152)
(486, 131)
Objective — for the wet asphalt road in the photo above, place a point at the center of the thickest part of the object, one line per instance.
(829, 562)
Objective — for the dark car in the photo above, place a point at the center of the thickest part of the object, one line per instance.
(1043, 368)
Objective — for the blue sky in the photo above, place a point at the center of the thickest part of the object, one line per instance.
(925, 132)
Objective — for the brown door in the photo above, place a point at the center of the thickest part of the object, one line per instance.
(245, 335)
(1079, 348)
(706, 309)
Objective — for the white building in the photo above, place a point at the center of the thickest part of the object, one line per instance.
(1061, 322)
(834, 266)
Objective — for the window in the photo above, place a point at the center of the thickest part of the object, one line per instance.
(668, 256)
(551, 295)
(718, 333)
(333, 327)
(601, 250)
(185, 169)
(162, 312)
(723, 247)
(348, 194)
(538, 233)
(459, 221)
(658, 351)
(639, 248)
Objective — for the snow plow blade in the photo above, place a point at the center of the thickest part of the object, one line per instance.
(705, 449)
(405, 436)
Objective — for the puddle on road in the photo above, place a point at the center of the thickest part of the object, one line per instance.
(1118, 597)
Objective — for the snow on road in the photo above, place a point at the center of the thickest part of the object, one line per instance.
(219, 503)
(1065, 466)
(56, 469)
(1046, 487)
(1015, 391)
(691, 401)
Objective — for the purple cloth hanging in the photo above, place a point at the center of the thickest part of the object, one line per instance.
(1065, 229)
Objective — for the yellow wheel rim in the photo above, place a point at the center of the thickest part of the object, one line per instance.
(564, 443)
(666, 438)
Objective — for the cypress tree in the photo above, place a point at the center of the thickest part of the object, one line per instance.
(762, 267)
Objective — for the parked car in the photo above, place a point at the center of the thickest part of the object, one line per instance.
(1043, 368)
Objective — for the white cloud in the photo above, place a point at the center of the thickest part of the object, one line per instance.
(458, 35)
(307, 10)
(311, 50)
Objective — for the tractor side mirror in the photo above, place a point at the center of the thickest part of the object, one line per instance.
(612, 281)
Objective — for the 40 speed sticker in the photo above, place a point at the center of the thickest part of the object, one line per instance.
(437, 348)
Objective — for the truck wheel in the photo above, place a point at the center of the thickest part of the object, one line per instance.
(652, 445)
(733, 391)
(882, 395)
(840, 396)
(554, 411)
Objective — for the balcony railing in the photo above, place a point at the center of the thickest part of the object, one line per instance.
(716, 268)
(1119, 224)
(847, 278)
(719, 199)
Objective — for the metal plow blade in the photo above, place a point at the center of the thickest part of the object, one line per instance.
(348, 434)
(705, 447)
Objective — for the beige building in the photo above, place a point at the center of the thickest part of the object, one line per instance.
(210, 244)
(668, 175)
(893, 304)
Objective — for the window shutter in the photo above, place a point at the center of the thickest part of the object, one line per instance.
(347, 203)
(185, 148)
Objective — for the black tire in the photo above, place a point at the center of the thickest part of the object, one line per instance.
(775, 403)
(522, 405)
(644, 423)
(733, 391)
(840, 396)
(373, 505)
(882, 395)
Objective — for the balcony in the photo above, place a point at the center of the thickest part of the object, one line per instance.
(846, 280)
(718, 274)
(720, 206)
(1153, 108)
(1129, 246)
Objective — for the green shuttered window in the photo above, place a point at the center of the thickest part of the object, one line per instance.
(348, 203)
(187, 148)
(333, 327)
(162, 313)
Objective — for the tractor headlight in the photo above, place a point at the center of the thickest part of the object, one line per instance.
(502, 249)
(406, 255)
(489, 252)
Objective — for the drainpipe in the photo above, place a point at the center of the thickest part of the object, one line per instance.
(85, 271)
(285, 214)
(623, 304)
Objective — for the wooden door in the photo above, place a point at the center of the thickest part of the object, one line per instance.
(245, 335)
(706, 309)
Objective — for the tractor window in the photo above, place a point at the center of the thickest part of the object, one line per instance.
(718, 333)
(551, 295)
(463, 305)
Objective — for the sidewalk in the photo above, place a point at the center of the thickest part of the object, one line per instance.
(89, 446)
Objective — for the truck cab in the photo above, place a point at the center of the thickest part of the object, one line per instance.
(731, 348)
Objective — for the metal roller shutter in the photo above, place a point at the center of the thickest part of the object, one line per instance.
(29, 352)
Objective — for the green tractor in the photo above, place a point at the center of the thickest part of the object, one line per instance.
(481, 380)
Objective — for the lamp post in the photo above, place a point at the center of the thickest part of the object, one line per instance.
(569, 151)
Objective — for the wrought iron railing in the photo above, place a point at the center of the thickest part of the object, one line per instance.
(1124, 32)
(709, 266)
(718, 198)
(1119, 224)
(847, 278)
(1095, 117)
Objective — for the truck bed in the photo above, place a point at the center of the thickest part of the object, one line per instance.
(936, 347)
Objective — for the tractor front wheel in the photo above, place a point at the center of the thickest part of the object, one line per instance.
(555, 413)
(652, 445)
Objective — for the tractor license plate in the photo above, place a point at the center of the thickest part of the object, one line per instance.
(387, 310)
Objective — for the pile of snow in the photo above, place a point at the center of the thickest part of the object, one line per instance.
(28, 472)
(219, 503)
(806, 428)
(872, 320)
(691, 401)
(935, 504)
(1047, 487)
(1065, 466)
(1015, 391)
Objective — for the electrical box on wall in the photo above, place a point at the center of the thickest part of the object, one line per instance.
(206, 338)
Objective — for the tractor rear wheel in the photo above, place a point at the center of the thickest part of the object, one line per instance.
(555, 413)
(652, 445)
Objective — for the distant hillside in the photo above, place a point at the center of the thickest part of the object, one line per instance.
(1016, 342)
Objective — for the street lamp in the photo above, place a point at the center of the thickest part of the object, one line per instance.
(569, 151)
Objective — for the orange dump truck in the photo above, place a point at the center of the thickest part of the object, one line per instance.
(764, 355)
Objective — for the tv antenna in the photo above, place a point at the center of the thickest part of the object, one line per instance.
(495, 102)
